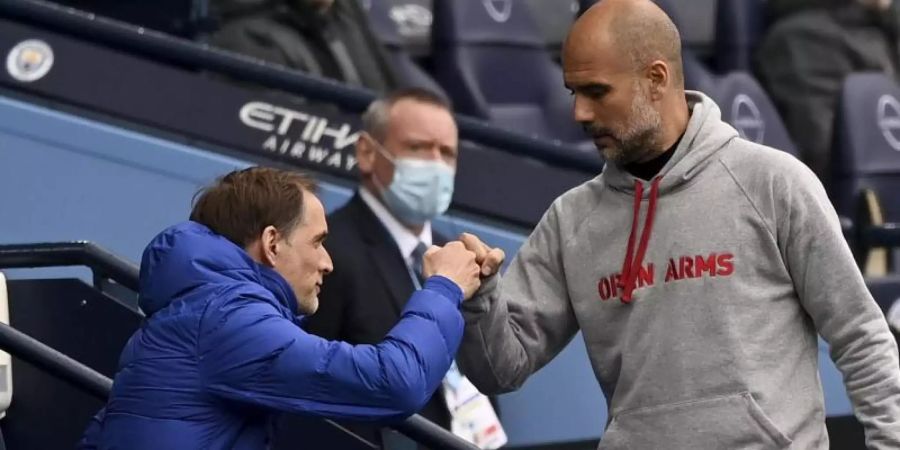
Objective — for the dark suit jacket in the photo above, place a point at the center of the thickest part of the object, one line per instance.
(362, 299)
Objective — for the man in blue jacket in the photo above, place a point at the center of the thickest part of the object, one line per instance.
(222, 348)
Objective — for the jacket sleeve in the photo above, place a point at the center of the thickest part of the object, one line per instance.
(251, 354)
(517, 324)
(834, 294)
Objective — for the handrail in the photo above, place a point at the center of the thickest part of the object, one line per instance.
(884, 235)
(80, 253)
(203, 56)
(97, 259)
(31, 350)
(430, 434)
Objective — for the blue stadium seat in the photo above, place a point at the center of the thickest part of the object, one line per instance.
(491, 57)
(867, 144)
(697, 77)
(554, 18)
(386, 29)
(412, 20)
(739, 26)
(746, 107)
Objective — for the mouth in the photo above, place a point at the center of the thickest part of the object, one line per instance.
(603, 140)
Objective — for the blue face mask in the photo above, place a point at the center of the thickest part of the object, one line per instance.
(420, 191)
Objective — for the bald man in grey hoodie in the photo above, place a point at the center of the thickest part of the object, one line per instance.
(699, 267)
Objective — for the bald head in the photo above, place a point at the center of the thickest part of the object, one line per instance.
(622, 63)
(636, 31)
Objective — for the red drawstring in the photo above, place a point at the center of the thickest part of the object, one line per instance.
(632, 265)
(629, 254)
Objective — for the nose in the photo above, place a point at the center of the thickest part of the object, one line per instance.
(327, 265)
(582, 110)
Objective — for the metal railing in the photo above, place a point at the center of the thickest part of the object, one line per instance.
(32, 351)
(885, 235)
(107, 265)
(103, 264)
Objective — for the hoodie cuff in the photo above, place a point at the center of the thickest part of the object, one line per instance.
(481, 302)
(447, 288)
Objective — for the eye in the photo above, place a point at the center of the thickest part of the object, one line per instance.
(418, 147)
(596, 93)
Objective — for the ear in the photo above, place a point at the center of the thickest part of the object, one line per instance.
(270, 243)
(659, 76)
(365, 153)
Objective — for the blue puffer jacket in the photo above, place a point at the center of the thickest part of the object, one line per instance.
(222, 349)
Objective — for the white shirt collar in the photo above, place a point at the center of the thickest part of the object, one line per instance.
(405, 239)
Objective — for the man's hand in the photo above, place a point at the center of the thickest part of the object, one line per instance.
(488, 258)
(455, 262)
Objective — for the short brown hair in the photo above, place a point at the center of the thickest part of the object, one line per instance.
(241, 204)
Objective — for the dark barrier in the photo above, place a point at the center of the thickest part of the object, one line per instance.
(191, 54)
(498, 176)
(886, 235)
(225, 99)
(28, 349)
(78, 321)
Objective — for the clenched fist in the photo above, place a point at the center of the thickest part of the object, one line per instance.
(489, 259)
(455, 262)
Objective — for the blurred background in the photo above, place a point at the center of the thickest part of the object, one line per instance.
(114, 112)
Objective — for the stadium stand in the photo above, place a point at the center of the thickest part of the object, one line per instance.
(388, 32)
(492, 60)
(496, 60)
(746, 107)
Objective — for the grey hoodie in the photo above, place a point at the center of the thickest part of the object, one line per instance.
(707, 339)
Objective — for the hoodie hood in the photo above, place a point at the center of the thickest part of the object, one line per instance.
(703, 137)
(189, 255)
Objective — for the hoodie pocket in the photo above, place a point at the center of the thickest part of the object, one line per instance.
(724, 422)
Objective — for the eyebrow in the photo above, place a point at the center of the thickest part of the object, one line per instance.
(416, 142)
(592, 86)
(320, 237)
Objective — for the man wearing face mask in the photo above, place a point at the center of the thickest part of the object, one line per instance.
(407, 162)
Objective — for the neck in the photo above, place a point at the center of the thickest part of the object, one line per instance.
(676, 116)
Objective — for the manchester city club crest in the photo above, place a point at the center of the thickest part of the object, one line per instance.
(29, 60)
